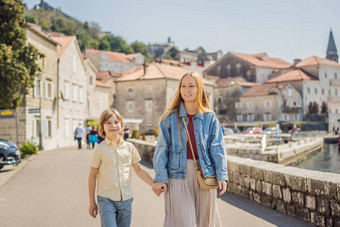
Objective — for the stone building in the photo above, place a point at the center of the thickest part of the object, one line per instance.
(226, 93)
(97, 95)
(31, 118)
(72, 88)
(114, 61)
(256, 68)
(269, 102)
(146, 93)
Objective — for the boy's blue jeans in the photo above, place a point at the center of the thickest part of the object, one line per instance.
(115, 213)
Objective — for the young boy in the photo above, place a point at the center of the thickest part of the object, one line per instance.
(111, 162)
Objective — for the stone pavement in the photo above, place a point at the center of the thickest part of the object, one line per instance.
(51, 190)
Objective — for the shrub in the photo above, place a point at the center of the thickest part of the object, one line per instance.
(135, 134)
(143, 136)
(28, 149)
(155, 132)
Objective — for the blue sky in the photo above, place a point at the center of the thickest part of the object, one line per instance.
(285, 29)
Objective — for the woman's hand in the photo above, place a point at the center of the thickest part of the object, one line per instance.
(159, 187)
(222, 185)
(93, 209)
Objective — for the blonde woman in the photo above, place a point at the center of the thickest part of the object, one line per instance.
(186, 203)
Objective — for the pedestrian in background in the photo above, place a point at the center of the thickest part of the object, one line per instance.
(111, 165)
(78, 134)
(93, 139)
(88, 130)
(186, 203)
(126, 132)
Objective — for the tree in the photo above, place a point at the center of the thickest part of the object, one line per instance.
(173, 53)
(31, 19)
(18, 66)
(324, 107)
(118, 44)
(139, 47)
(313, 108)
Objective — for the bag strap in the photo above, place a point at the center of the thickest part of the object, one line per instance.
(192, 150)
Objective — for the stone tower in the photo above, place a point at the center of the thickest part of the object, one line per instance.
(332, 52)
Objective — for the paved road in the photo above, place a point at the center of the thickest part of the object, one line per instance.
(51, 191)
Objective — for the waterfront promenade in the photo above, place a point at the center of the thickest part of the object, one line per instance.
(51, 190)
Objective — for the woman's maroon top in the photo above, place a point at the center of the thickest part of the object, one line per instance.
(192, 137)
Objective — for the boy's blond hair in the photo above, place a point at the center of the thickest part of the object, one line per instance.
(105, 116)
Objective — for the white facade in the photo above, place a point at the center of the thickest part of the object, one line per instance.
(263, 74)
(73, 85)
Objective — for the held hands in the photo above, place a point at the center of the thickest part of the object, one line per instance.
(159, 187)
(93, 209)
(222, 185)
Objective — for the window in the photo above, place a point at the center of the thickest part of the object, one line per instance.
(335, 76)
(219, 100)
(74, 64)
(250, 104)
(49, 128)
(290, 93)
(325, 75)
(49, 89)
(239, 117)
(248, 73)
(66, 127)
(130, 90)
(148, 105)
(91, 80)
(228, 68)
(238, 105)
(336, 91)
(329, 92)
(148, 89)
(238, 67)
(250, 117)
(322, 91)
(267, 117)
(100, 104)
(308, 90)
(130, 106)
(268, 103)
(81, 94)
(316, 91)
(66, 90)
(74, 92)
(37, 87)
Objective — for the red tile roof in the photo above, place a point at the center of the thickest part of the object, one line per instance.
(106, 75)
(263, 90)
(64, 41)
(316, 61)
(101, 84)
(158, 71)
(262, 60)
(112, 56)
(294, 75)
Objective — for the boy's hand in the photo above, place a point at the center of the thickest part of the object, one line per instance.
(159, 187)
(93, 209)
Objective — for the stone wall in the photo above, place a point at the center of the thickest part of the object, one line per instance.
(312, 196)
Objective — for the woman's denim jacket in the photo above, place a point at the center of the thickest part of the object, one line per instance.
(170, 157)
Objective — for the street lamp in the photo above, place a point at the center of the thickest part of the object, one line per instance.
(41, 147)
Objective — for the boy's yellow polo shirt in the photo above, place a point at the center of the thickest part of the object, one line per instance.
(114, 169)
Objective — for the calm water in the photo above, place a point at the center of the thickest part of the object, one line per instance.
(327, 160)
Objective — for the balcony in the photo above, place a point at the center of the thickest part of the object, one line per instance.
(289, 109)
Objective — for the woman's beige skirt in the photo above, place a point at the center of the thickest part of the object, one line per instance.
(187, 205)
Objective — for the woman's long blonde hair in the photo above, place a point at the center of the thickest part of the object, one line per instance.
(201, 99)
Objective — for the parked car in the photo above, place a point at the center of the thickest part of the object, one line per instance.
(227, 131)
(149, 132)
(9, 153)
(271, 130)
(253, 130)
